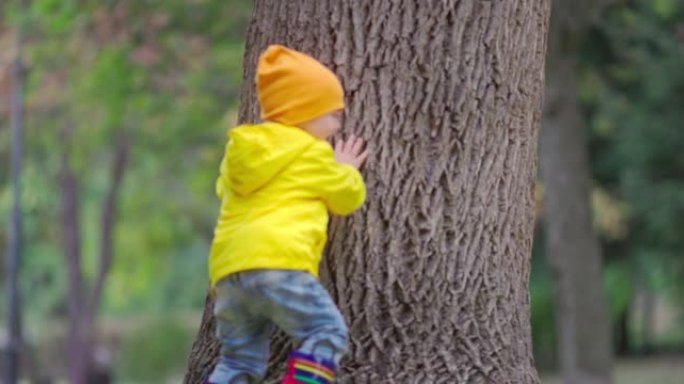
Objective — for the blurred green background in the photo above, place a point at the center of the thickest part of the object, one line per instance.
(168, 76)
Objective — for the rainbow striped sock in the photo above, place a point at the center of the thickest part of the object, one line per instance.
(304, 368)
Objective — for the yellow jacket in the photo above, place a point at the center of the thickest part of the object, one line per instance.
(276, 186)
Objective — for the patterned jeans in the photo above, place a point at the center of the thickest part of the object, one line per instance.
(249, 304)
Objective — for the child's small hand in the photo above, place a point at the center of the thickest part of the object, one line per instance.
(350, 151)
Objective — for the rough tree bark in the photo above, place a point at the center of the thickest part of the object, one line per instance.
(84, 296)
(432, 275)
(572, 246)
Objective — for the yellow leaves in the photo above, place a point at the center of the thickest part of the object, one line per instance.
(610, 215)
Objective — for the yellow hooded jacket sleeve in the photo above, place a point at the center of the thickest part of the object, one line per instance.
(276, 186)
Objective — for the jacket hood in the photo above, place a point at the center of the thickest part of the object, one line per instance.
(255, 154)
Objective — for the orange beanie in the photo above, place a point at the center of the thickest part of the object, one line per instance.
(295, 88)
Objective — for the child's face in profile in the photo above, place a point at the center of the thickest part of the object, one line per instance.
(325, 126)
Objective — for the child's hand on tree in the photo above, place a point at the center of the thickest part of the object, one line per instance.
(350, 151)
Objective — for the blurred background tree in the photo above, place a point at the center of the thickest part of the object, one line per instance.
(114, 81)
(167, 75)
(630, 89)
(572, 246)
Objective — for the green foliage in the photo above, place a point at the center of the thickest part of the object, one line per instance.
(633, 65)
(156, 353)
(43, 266)
(618, 287)
(632, 84)
(542, 314)
(167, 76)
(56, 16)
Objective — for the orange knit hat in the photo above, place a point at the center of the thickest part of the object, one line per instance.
(295, 88)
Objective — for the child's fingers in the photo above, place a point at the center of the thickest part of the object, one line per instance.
(349, 145)
(357, 146)
(339, 145)
(362, 157)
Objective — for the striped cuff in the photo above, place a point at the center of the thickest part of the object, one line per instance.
(304, 368)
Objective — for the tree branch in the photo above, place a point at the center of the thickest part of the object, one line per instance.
(71, 230)
(71, 227)
(108, 219)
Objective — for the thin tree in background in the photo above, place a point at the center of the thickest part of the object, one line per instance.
(432, 275)
(14, 241)
(84, 295)
(572, 246)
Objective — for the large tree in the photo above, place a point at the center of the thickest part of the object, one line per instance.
(432, 275)
(572, 246)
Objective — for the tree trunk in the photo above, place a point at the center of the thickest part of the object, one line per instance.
(622, 334)
(82, 305)
(432, 275)
(109, 213)
(205, 349)
(648, 311)
(71, 228)
(572, 246)
(14, 343)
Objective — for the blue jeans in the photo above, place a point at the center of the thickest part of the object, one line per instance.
(249, 304)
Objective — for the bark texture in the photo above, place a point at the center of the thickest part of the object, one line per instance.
(572, 246)
(432, 274)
